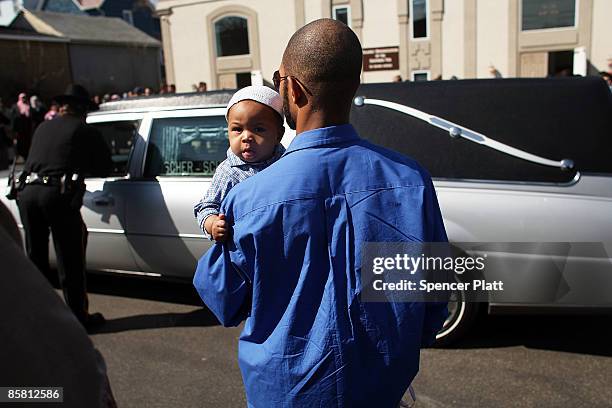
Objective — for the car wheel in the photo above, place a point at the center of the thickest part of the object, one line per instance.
(461, 316)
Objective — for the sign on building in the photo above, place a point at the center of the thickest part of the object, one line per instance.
(381, 59)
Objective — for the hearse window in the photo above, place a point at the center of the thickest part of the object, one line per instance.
(192, 146)
(120, 138)
(565, 118)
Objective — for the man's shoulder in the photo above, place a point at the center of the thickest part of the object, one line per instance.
(367, 166)
(396, 159)
(63, 124)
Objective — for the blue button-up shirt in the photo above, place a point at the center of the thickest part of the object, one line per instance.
(292, 270)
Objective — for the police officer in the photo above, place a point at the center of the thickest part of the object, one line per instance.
(64, 151)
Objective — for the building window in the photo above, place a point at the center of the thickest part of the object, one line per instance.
(542, 14)
(420, 76)
(232, 36)
(419, 12)
(342, 14)
(128, 17)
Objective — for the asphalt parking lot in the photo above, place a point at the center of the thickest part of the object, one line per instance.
(163, 349)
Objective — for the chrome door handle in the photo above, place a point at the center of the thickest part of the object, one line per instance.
(103, 201)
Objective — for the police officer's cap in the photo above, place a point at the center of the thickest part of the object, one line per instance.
(76, 95)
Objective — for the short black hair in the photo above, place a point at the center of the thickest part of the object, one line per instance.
(327, 57)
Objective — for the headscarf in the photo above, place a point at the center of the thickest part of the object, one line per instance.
(35, 102)
(23, 105)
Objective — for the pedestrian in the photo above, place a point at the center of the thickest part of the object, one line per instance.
(52, 111)
(37, 111)
(202, 87)
(254, 117)
(292, 267)
(494, 72)
(397, 78)
(606, 77)
(6, 142)
(22, 125)
(42, 343)
(64, 151)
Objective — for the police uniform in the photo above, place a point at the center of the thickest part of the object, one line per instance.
(64, 150)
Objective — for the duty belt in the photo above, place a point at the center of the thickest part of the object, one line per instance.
(35, 178)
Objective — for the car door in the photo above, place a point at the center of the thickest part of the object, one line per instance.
(104, 203)
(183, 150)
(568, 229)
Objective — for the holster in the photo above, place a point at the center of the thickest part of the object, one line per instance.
(15, 183)
(73, 186)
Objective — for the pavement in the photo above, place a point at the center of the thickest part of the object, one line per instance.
(164, 349)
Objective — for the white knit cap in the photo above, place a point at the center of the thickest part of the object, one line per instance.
(257, 93)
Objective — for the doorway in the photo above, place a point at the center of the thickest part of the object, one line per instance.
(560, 63)
(243, 79)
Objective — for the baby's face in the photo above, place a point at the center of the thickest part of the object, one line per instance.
(254, 131)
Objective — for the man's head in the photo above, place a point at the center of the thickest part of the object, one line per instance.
(255, 123)
(320, 71)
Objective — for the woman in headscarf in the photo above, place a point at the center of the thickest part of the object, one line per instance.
(5, 139)
(37, 111)
(22, 125)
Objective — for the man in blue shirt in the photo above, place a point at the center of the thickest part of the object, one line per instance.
(292, 268)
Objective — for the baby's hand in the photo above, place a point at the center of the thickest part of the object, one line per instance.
(220, 229)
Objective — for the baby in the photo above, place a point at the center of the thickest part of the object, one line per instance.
(255, 127)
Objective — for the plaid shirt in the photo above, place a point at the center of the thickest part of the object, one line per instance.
(230, 172)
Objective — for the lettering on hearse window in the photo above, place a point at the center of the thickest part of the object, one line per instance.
(186, 146)
(189, 167)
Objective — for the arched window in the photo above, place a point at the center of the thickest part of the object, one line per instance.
(232, 36)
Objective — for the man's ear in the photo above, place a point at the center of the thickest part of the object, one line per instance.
(296, 93)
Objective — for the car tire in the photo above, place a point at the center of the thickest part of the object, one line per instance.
(461, 317)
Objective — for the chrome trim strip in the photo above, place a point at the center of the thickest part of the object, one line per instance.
(456, 131)
(120, 231)
(111, 117)
(569, 183)
(145, 234)
(106, 230)
(122, 272)
(192, 236)
(168, 109)
(188, 113)
(149, 234)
